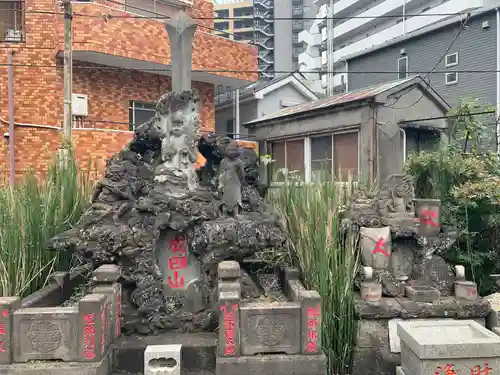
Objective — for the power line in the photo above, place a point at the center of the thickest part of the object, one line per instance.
(102, 67)
(163, 17)
(428, 75)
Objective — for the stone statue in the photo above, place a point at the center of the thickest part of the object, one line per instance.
(396, 197)
(114, 190)
(231, 175)
(179, 124)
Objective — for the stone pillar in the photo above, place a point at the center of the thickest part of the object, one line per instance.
(229, 311)
(106, 278)
(181, 29)
(92, 311)
(229, 277)
(371, 290)
(310, 322)
(7, 307)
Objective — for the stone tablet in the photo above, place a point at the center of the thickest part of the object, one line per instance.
(448, 347)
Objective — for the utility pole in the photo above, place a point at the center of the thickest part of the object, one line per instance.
(329, 49)
(68, 69)
(10, 94)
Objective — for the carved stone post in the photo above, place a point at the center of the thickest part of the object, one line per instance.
(181, 29)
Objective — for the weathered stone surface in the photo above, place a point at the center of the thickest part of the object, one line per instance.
(272, 364)
(101, 367)
(45, 333)
(447, 339)
(131, 232)
(8, 305)
(422, 293)
(270, 328)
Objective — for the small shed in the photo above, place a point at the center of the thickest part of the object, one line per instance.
(366, 132)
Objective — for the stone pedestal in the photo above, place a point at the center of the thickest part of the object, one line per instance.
(458, 347)
(377, 349)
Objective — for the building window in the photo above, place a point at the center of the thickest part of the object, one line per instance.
(451, 78)
(451, 59)
(230, 128)
(289, 155)
(139, 113)
(11, 21)
(334, 155)
(403, 67)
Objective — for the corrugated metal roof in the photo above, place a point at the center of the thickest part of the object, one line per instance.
(333, 101)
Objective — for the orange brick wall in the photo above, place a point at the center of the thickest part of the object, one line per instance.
(38, 84)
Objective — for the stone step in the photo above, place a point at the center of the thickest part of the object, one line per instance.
(198, 352)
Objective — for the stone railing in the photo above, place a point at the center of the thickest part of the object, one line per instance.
(79, 332)
(254, 335)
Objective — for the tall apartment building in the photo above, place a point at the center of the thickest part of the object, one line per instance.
(269, 25)
(361, 25)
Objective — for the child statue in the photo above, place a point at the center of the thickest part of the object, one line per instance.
(231, 175)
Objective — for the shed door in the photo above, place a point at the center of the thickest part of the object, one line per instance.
(345, 154)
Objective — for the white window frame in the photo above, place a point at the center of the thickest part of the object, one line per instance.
(407, 67)
(447, 64)
(133, 108)
(447, 82)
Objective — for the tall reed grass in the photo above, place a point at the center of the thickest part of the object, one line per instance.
(30, 214)
(327, 258)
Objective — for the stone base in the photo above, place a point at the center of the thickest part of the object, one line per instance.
(102, 367)
(272, 365)
(400, 371)
(197, 353)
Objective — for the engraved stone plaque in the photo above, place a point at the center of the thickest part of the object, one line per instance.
(270, 328)
(46, 333)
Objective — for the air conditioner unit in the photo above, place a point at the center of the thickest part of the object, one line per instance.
(79, 104)
(13, 35)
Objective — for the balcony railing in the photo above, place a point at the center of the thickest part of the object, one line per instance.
(11, 21)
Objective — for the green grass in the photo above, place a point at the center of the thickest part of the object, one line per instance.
(327, 260)
(30, 214)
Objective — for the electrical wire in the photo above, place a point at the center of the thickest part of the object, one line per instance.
(428, 75)
(162, 17)
(249, 71)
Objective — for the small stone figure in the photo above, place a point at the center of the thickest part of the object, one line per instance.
(114, 190)
(231, 175)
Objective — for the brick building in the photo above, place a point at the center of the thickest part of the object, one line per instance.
(121, 63)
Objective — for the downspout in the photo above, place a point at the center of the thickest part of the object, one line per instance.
(498, 81)
(346, 76)
(10, 94)
(404, 144)
(372, 143)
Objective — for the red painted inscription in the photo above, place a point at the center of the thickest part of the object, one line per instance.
(103, 329)
(380, 247)
(118, 312)
(313, 313)
(89, 336)
(428, 217)
(471, 291)
(5, 313)
(478, 370)
(229, 326)
(446, 370)
(3, 332)
(178, 262)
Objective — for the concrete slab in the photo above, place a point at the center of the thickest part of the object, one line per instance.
(395, 342)
(275, 364)
(103, 367)
(449, 339)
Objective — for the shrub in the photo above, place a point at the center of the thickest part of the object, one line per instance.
(30, 214)
(326, 258)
